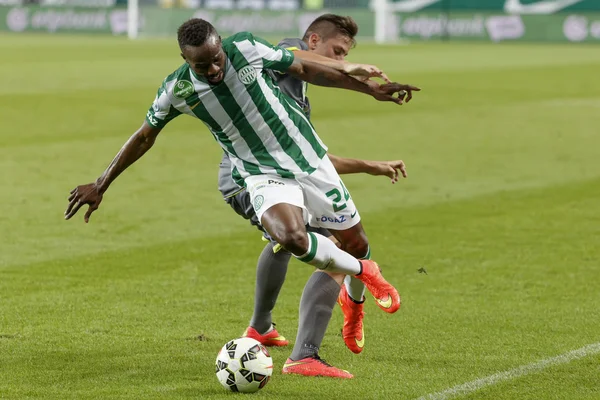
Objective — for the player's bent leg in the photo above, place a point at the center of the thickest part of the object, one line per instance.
(331, 207)
(285, 223)
(270, 275)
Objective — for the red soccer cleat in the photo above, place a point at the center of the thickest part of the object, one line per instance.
(314, 366)
(385, 294)
(271, 338)
(353, 333)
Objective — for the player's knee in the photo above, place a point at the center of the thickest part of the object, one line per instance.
(294, 241)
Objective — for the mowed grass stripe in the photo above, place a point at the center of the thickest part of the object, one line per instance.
(461, 212)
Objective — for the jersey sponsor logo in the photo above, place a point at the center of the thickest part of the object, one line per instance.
(274, 182)
(258, 202)
(247, 75)
(183, 89)
(337, 220)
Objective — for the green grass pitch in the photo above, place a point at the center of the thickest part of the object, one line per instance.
(501, 207)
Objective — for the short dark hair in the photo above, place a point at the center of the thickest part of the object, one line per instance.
(328, 25)
(194, 32)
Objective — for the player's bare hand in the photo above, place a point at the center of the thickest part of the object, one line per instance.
(391, 169)
(365, 70)
(403, 91)
(84, 194)
(396, 92)
(379, 94)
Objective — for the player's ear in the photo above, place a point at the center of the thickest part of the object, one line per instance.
(313, 41)
(182, 56)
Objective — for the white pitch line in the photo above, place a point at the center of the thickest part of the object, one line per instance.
(477, 384)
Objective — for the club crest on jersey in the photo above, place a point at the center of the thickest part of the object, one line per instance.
(183, 89)
(258, 202)
(247, 75)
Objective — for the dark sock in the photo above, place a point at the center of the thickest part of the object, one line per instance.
(270, 275)
(318, 299)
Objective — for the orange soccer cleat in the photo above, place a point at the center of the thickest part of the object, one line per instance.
(314, 366)
(271, 338)
(352, 332)
(385, 294)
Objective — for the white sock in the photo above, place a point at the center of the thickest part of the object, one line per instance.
(354, 286)
(325, 255)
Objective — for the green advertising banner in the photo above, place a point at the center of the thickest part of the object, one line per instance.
(508, 6)
(63, 19)
(427, 25)
(499, 27)
(270, 24)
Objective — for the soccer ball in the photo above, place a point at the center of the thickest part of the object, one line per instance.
(244, 365)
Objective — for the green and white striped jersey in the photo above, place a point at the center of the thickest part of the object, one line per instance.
(263, 130)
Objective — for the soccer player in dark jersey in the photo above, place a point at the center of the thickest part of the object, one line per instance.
(327, 40)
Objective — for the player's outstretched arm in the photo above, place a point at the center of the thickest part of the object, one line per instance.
(322, 75)
(354, 69)
(391, 169)
(91, 194)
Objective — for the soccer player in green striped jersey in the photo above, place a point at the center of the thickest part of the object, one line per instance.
(275, 151)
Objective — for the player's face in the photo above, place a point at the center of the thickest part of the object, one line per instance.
(207, 60)
(336, 47)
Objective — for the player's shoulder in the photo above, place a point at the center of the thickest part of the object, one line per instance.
(234, 41)
(177, 80)
(183, 72)
(236, 38)
(293, 44)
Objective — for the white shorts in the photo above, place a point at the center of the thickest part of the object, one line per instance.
(322, 195)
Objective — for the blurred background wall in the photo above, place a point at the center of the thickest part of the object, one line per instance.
(382, 20)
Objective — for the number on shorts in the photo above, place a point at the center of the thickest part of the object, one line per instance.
(336, 196)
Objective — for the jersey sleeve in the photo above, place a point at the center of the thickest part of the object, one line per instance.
(274, 57)
(293, 44)
(161, 111)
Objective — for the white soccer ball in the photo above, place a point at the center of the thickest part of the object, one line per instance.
(244, 365)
